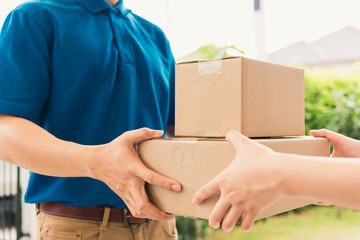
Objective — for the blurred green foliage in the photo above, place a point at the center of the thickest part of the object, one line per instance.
(190, 229)
(317, 223)
(332, 101)
(211, 51)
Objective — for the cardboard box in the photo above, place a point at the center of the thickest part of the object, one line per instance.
(256, 98)
(193, 162)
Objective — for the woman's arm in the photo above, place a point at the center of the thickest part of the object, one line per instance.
(258, 176)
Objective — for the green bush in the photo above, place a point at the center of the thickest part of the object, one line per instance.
(211, 51)
(190, 229)
(332, 101)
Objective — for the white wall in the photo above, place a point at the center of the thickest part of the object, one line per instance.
(28, 210)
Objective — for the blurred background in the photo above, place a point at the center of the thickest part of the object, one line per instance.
(321, 36)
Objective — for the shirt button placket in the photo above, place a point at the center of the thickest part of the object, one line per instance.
(120, 37)
(113, 28)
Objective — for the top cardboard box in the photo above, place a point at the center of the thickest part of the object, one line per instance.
(258, 99)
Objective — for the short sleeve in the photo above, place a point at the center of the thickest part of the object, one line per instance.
(24, 68)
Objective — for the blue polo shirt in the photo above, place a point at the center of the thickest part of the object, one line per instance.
(86, 72)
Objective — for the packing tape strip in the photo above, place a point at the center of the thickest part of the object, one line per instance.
(209, 67)
(183, 151)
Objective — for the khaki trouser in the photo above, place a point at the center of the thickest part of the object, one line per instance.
(50, 227)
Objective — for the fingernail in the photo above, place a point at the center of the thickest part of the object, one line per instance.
(216, 226)
(247, 229)
(195, 201)
(176, 188)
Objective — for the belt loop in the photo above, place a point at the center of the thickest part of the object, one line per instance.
(37, 207)
(126, 217)
(105, 219)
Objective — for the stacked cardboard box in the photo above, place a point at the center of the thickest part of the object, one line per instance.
(259, 99)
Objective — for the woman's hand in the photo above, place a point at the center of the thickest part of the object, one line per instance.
(343, 146)
(247, 185)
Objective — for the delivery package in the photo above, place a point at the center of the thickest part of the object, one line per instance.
(194, 162)
(258, 99)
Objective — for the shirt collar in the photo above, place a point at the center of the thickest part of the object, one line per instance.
(96, 6)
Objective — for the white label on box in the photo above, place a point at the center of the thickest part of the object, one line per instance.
(209, 67)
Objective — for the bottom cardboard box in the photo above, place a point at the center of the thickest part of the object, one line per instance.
(193, 162)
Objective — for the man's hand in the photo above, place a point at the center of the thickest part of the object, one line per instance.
(118, 165)
(343, 146)
(247, 185)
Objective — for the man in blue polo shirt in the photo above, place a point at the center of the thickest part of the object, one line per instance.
(79, 81)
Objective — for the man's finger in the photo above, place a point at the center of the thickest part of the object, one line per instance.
(129, 204)
(154, 178)
(153, 212)
(142, 134)
(206, 191)
(143, 208)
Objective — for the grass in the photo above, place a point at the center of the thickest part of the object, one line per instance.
(315, 223)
